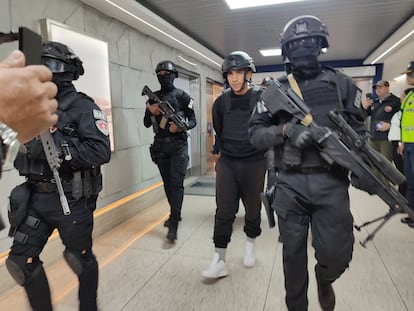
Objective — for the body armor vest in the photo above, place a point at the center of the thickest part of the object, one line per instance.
(31, 159)
(173, 98)
(236, 114)
(320, 96)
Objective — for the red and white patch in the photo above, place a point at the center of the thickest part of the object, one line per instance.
(387, 108)
(102, 127)
(53, 129)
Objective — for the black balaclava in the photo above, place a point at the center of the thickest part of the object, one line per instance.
(304, 60)
(306, 67)
(166, 81)
(62, 80)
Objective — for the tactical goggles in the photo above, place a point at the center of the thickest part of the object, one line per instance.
(309, 42)
(54, 65)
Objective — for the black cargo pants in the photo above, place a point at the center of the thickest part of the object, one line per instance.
(320, 200)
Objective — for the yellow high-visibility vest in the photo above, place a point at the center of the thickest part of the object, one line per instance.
(407, 119)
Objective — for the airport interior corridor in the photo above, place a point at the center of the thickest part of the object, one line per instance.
(140, 270)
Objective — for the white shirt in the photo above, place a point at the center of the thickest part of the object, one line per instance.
(394, 133)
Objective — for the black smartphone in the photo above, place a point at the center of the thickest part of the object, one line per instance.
(30, 43)
(368, 95)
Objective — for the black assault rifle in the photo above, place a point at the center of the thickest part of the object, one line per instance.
(347, 149)
(167, 110)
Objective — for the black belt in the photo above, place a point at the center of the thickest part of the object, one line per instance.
(163, 140)
(168, 139)
(309, 170)
(41, 186)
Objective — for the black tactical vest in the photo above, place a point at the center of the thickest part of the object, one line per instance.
(32, 161)
(321, 96)
(174, 98)
(236, 114)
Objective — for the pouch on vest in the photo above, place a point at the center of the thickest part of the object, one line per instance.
(19, 203)
(292, 156)
(77, 187)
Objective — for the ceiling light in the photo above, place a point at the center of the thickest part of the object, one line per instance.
(271, 52)
(400, 78)
(239, 4)
(393, 47)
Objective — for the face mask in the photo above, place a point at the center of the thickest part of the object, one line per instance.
(306, 67)
(166, 81)
(62, 79)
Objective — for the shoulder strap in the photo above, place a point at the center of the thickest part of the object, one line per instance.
(256, 91)
(227, 100)
(294, 85)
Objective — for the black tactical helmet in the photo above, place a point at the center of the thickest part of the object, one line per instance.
(167, 66)
(60, 59)
(305, 26)
(237, 60)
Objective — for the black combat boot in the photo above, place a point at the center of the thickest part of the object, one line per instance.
(326, 295)
(172, 231)
(168, 221)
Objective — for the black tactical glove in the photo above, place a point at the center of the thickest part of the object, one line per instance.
(299, 135)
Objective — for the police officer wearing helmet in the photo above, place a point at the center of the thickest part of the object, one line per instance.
(170, 148)
(308, 191)
(81, 137)
(241, 167)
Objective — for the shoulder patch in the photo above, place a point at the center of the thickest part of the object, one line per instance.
(358, 98)
(102, 126)
(191, 104)
(99, 114)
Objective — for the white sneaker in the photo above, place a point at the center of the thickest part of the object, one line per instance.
(216, 269)
(249, 258)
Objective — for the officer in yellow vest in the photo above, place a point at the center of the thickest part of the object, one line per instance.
(407, 139)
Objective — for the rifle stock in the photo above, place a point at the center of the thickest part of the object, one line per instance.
(343, 146)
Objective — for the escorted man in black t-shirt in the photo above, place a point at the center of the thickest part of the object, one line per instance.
(241, 167)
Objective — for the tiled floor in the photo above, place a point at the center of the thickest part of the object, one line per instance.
(139, 270)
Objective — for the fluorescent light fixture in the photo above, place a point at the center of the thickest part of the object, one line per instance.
(393, 47)
(187, 61)
(271, 52)
(240, 4)
(400, 78)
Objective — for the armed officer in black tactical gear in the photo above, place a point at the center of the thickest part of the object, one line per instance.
(309, 192)
(81, 137)
(241, 168)
(170, 148)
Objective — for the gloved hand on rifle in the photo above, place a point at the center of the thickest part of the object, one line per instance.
(298, 135)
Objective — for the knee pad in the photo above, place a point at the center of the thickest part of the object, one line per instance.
(78, 261)
(19, 270)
